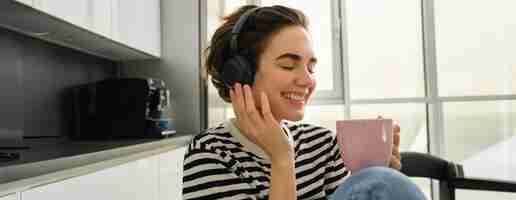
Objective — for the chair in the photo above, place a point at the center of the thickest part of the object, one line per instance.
(450, 175)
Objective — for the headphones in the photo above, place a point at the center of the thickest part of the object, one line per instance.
(237, 68)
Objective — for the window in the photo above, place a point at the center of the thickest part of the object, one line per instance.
(384, 47)
(475, 131)
(476, 73)
(475, 49)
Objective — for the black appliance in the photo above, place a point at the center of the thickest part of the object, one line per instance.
(122, 108)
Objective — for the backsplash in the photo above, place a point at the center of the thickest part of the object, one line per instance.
(34, 78)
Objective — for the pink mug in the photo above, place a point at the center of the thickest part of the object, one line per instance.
(365, 142)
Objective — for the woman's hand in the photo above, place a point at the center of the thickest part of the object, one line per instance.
(260, 126)
(395, 161)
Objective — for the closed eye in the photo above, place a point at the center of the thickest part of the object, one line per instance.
(288, 67)
(288, 61)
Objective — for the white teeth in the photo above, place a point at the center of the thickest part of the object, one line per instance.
(294, 96)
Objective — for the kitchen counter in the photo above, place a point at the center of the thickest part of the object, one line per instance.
(51, 160)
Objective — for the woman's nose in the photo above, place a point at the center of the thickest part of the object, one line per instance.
(306, 78)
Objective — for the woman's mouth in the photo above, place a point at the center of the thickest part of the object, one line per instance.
(294, 98)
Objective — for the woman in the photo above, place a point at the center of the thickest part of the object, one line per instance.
(261, 60)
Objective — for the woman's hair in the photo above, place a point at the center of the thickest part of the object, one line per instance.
(256, 32)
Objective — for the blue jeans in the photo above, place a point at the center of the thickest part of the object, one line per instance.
(378, 183)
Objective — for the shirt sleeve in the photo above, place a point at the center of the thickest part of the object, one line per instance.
(335, 172)
(207, 175)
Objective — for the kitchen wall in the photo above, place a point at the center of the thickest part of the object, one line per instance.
(34, 78)
(179, 65)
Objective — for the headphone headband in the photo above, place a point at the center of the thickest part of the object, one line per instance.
(238, 28)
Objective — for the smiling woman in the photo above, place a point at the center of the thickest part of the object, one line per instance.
(261, 60)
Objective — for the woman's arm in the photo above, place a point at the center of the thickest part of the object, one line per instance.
(260, 127)
(283, 181)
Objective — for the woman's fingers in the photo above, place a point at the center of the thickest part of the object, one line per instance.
(266, 109)
(396, 139)
(245, 108)
(237, 101)
(395, 163)
(396, 152)
(396, 127)
(232, 96)
(250, 107)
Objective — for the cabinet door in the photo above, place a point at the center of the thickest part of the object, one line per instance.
(131, 181)
(76, 12)
(101, 17)
(9, 197)
(138, 24)
(26, 2)
(171, 174)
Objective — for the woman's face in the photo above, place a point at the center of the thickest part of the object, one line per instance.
(285, 73)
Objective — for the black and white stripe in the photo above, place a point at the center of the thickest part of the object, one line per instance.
(217, 166)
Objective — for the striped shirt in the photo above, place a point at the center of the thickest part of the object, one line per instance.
(221, 163)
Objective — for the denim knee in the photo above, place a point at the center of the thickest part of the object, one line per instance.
(378, 183)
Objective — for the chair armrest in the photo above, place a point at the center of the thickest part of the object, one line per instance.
(417, 164)
(483, 184)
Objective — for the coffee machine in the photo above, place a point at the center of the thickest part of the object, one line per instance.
(122, 108)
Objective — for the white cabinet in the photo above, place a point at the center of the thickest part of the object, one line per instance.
(134, 23)
(76, 12)
(158, 177)
(94, 15)
(171, 174)
(29, 3)
(137, 24)
(101, 20)
(9, 197)
(131, 181)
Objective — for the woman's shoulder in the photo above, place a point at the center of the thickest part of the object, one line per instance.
(213, 137)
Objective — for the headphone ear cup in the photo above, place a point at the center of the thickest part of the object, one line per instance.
(237, 69)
